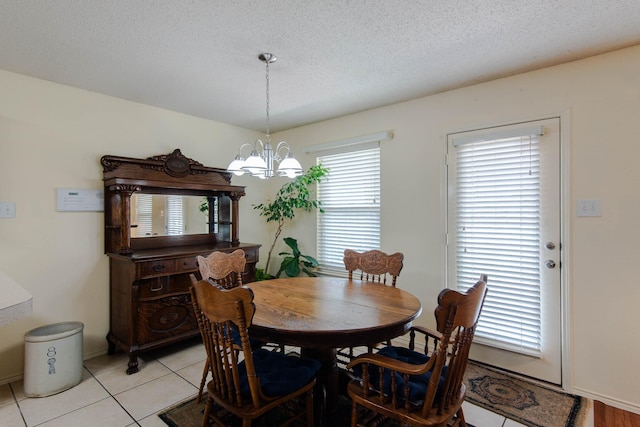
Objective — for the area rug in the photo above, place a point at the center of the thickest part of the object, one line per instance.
(189, 414)
(523, 401)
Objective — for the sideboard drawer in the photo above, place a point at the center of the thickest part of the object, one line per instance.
(156, 287)
(157, 268)
(251, 255)
(186, 264)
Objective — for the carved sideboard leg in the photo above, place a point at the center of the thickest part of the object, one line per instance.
(133, 364)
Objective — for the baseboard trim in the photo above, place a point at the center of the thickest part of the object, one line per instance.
(11, 379)
(607, 400)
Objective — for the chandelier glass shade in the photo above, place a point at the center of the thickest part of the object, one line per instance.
(262, 156)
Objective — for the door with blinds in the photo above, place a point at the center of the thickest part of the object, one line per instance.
(503, 220)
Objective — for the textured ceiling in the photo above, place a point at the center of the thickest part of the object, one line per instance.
(199, 57)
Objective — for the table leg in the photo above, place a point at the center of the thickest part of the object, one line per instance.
(327, 384)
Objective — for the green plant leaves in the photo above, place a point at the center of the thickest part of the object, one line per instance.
(292, 262)
(292, 196)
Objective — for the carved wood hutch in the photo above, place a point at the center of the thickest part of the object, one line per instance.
(150, 304)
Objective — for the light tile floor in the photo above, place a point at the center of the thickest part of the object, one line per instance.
(108, 397)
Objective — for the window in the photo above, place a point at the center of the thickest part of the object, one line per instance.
(144, 215)
(350, 196)
(215, 207)
(175, 216)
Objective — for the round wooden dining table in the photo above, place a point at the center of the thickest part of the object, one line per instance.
(320, 314)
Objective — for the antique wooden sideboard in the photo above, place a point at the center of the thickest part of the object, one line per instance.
(160, 213)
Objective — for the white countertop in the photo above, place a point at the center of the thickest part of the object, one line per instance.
(15, 301)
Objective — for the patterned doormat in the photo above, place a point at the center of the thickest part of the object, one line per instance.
(523, 401)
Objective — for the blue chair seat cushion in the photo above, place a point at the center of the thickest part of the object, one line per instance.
(235, 337)
(279, 374)
(417, 383)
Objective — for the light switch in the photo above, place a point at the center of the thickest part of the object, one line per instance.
(588, 208)
(7, 210)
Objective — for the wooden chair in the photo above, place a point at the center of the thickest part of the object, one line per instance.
(224, 269)
(374, 265)
(418, 389)
(263, 380)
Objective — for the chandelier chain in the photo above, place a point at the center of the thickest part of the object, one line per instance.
(268, 124)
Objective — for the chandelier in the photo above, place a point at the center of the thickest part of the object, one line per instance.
(260, 162)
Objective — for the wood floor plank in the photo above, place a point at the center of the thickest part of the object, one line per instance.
(608, 416)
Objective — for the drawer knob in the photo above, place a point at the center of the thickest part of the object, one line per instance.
(158, 268)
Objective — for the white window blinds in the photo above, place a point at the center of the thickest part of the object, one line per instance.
(497, 203)
(175, 216)
(350, 196)
(144, 215)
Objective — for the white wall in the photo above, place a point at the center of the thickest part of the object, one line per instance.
(600, 98)
(52, 136)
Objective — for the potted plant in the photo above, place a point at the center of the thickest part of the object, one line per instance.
(291, 197)
(295, 261)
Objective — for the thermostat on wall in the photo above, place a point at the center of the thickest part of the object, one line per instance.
(78, 200)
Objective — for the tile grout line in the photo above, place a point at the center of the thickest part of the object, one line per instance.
(15, 400)
(111, 396)
(171, 371)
